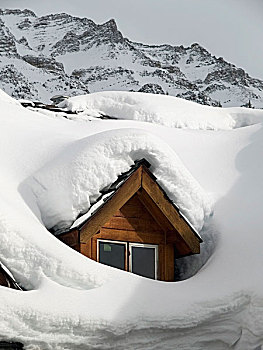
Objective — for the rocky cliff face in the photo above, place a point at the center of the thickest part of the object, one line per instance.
(62, 54)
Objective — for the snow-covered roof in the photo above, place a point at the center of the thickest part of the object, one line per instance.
(108, 192)
(58, 97)
(75, 301)
(67, 186)
(164, 110)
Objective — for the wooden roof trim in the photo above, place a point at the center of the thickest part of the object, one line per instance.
(142, 179)
(172, 213)
(120, 197)
(172, 236)
(111, 190)
(154, 210)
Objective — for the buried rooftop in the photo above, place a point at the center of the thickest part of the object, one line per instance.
(134, 226)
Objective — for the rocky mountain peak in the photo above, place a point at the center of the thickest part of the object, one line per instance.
(62, 54)
(197, 49)
(17, 12)
(111, 25)
(152, 89)
(108, 31)
(7, 41)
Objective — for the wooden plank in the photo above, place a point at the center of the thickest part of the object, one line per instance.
(89, 248)
(71, 239)
(133, 216)
(132, 212)
(154, 211)
(122, 195)
(161, 262)
(169, 262)
(131, 236)
(179, 224)
(85, 249)
(133, 209)
(133, 224)
(94, 249)
(118, 214)
(181, 247)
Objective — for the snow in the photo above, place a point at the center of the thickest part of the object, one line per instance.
(68, 185)
(75, 303)
(83, 218)
(169, 111)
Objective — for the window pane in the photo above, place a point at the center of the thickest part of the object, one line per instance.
(143, 261)
(112, 254)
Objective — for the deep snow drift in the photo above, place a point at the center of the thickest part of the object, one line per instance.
(69, 184)
(165, 110)
(76, 303)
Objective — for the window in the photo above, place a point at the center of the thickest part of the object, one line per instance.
(112, 253)
(143, 258)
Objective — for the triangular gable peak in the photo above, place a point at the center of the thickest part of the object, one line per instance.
(134, 226)
(141, 182)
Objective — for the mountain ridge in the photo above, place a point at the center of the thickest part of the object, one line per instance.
(63, 54)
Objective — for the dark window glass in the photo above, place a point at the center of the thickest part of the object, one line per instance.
(112, 254)
(143, 261)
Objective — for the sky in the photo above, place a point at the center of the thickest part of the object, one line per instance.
(232, 29)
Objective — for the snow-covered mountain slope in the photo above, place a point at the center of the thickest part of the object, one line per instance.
(43, 56)
(77, 303)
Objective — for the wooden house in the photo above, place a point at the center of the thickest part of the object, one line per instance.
(134, 226)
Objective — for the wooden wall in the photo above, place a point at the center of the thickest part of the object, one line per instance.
(134, 223)
(146, 216)
(71, 239)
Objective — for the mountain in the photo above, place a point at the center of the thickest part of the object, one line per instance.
(62, 54)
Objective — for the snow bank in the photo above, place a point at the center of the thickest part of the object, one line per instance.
(76, 302)
(67, 186)
(165, 110)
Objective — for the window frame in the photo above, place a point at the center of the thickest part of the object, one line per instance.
(128, 252)
(112, 241)
(144, 245)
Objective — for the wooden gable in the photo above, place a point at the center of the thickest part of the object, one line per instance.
(139, 211)
(150, 194)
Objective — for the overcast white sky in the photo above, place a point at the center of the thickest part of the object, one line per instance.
(229, 28)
